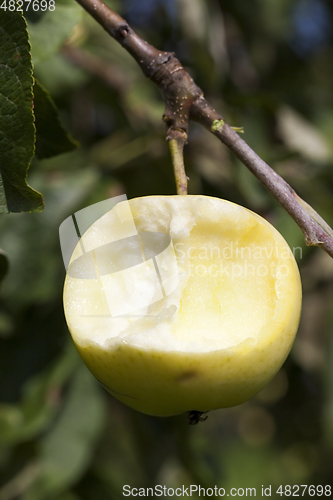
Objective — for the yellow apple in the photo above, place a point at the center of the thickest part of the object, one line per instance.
(180, 303)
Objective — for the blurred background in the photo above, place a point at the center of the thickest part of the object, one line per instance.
(267, 66)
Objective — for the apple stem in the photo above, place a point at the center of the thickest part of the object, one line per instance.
(176, 146)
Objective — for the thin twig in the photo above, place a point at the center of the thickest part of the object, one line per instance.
(184, 101)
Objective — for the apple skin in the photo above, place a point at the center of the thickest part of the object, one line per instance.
(172, 383)
(164, 383)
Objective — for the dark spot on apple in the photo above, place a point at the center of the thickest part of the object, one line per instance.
(186, 376)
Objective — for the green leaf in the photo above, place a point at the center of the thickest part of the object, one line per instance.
(51, 137)
(17, 131)
(67, 449)
(50, 31)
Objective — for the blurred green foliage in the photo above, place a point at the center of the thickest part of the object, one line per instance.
(266, 65)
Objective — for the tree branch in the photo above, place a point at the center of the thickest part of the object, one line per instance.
(184, 101)
(316, 233)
